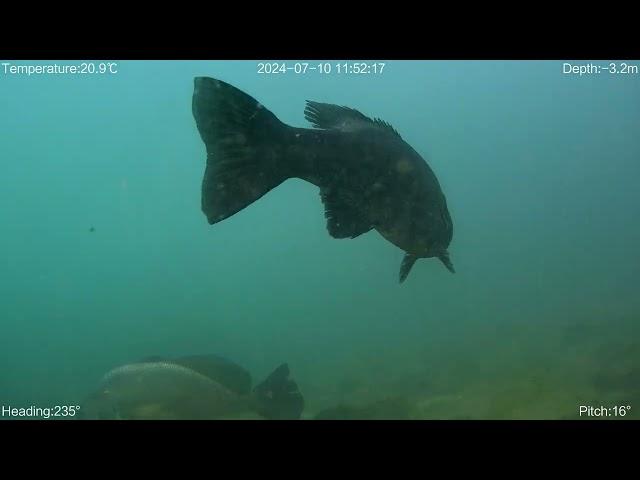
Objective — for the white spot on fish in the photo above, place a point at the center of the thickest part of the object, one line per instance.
(404, 166)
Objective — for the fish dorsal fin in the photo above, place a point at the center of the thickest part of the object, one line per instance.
(335, 117)
(386, 126)
(344, 218)
(219, 369)
(407, 264)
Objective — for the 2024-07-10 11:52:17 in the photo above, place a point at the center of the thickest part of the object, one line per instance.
(355, 68)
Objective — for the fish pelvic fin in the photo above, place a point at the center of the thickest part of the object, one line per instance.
(407, 265)
(446, 260)
(243, 143)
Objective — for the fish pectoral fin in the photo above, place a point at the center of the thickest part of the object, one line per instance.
(344, 219)
(407, 264)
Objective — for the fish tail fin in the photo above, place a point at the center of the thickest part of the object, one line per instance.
(243, 141)
(278, 397)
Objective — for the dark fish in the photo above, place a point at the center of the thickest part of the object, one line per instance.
(229, 374)
(191, 388)
(369, 177)
(92, 229)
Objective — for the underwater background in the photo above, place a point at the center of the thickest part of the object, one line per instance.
(107, 258)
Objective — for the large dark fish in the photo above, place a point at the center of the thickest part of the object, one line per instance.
(197, 387)
(369, 177)
(224, 371)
